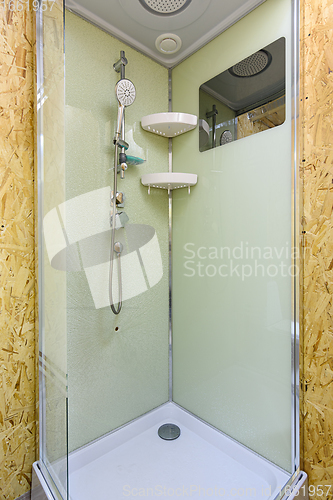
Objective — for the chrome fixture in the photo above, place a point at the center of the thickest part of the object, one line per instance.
(120, 220)
(125, 93)
(169, 432)
(118, 248)
(119, 66)
(122, 144)
(120, 199)
(212, 114)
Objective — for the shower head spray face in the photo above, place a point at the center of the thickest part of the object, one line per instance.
(252, 65)
(125, 92)
(165, 7)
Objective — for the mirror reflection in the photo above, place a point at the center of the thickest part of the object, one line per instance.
(245, 99)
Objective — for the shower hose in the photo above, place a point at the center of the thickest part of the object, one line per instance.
(115, 310)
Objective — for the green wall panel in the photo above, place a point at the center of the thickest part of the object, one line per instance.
(232, 311)
(114, 376)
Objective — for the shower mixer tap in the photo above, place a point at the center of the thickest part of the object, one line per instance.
(123, 164)
(120, 199)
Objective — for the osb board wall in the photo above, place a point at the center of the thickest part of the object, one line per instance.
(17, 335)
(17, 354)
(260, 119)
(317, 176)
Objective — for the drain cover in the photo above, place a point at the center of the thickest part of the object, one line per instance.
(169, 432)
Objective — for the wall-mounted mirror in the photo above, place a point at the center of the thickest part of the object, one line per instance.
(245, 99)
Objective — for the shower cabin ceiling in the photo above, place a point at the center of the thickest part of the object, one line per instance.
(140, 22)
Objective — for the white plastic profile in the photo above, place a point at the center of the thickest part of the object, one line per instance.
(169, 180)
(169, 124)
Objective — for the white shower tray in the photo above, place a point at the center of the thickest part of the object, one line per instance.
(201, 462)
(135, 458)
(169, 124)
(169, 180)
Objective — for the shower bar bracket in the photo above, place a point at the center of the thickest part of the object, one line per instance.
(119, 66)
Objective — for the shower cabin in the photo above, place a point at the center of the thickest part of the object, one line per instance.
(168, 250)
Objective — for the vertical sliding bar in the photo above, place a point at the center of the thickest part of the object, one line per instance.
(40, 181)
(170, 248)
(296, 200)
(122, 68)
(214, 130)
(170, 297)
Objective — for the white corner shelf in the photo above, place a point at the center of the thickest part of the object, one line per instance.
(169, 124)
(169, 180)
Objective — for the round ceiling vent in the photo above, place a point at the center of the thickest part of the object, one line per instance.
(252, 65)
(165, 7)
(168, 43)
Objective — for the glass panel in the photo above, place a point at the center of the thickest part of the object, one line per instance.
(232, 280)
(245, 99)
(117, 364)
(52, 282)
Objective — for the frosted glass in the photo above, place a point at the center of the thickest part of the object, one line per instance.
(232, 313)
(52, 282)
(114, 375)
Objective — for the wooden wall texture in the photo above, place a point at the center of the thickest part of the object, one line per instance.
(260, 119)
(316, 112)
(17, 258)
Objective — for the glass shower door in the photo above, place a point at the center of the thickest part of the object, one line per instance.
(233, 273)
(51, 281)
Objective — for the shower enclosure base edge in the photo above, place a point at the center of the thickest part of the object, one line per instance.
(201, 461)
(39, 487)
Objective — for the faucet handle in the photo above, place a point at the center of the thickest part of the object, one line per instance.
(123, 168)
(120, 198)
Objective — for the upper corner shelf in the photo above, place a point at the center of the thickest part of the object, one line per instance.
(169, 124)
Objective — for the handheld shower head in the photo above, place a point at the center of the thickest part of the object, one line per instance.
(125, 92)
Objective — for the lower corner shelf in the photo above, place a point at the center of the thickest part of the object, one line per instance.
(169, 180)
